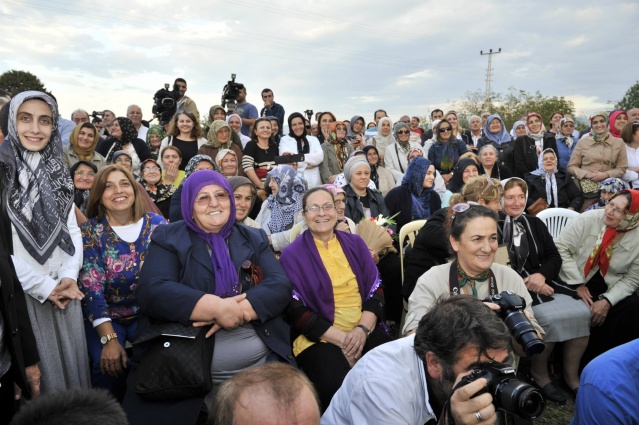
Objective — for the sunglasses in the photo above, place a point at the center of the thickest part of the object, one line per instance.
(445, 129)
(403, 132)
(462, 208)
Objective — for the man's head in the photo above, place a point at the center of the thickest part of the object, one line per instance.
(80, 116)
(267, 96)
(436, 114)
(406, 119)
(633, 114)
(134, 113)
(108, 118)
(414, 123)
(379, 114)
(72, 407)
(180, 85)
(474, 122)
(457, 334)
(272, 394)
(241, 97)
(484, 117)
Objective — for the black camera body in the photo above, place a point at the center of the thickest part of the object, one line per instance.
(165, 104)
(97, 114)
(231, 93)
(509, 394)
(309, 114)
(511, 311)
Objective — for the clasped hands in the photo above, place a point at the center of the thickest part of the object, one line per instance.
(353, 345)
(228, 313)
(536, 283)
(64, 292)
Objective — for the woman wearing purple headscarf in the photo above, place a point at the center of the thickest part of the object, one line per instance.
(195, 274)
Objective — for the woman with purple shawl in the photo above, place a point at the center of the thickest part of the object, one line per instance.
(337, 297)
(208, 270)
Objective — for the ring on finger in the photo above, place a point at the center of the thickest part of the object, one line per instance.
(478, 416)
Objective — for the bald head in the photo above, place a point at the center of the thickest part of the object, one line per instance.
(633, 114)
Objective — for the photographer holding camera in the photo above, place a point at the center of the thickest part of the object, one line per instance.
(411, 380)
(473, 237)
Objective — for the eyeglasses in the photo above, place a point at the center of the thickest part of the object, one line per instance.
(316, 208)
(615, 210)
(123, 160)
(403, 132)
(85, 173)
(151, 169)
(205, 199)
(339, 202)
(444, 129)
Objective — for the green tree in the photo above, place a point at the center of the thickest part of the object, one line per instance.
(512, 105)
(631, 98)
(19, 81)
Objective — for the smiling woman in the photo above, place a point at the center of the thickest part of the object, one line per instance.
(151, 180)
(83, 141)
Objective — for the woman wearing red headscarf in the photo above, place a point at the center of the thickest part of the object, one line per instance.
(606, 276)
(528, 148)
(617, 120)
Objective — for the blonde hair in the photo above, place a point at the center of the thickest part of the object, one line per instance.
(478, 188)
(470, 155)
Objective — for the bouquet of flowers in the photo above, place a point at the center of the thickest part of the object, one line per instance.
(376, 234)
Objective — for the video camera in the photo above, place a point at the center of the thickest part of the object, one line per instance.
(97, 114)
(230, 94)
(309, 114)
(509, 394)
(165, 103)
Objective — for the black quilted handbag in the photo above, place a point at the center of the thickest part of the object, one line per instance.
(176, 363)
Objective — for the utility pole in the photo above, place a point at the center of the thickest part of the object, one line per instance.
(489, 71)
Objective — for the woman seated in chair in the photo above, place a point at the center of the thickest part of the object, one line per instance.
(549, 187)
(534, 256)
(337, 299)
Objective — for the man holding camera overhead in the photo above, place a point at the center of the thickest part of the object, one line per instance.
(414, 380)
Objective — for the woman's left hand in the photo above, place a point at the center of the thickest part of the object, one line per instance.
(536, 283)
(599, 176)
(354, 343)
(599, 312)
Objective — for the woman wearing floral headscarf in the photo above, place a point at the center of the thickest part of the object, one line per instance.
(496, 135)
(528, 148)
(83, 141)
(226, 161)
(124, 137)
(396, 154)
(154, 137)
(598, 156)
(415, 199)
(218, 113)
(606, 276)
(607, 189)
(283, 207)
(565, 141)
(47, 245)
(336, 152)
(553, 185)
(219, 137)
(151, 180)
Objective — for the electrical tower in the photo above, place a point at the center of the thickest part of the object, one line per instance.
(489, 71)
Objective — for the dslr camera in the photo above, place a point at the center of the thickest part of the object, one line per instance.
(511, 311)
(165, 103)
(509, 394)
(230, 94)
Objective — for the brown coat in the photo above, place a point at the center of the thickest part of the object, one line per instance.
(609, 156)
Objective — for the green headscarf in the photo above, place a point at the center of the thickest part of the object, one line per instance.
(158, 131)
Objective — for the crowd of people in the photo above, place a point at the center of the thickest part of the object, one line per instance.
(239, 243)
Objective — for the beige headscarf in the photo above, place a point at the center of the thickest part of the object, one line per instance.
(212, 135)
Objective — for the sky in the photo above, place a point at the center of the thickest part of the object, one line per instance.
(349, 57)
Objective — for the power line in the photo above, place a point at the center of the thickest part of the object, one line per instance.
(489, 70)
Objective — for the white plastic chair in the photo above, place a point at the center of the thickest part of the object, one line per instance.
(408, 230)
(556, 219)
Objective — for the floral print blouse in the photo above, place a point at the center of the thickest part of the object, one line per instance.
(111, 268)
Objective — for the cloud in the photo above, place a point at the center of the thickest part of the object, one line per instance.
(408, 79)
(576, 41)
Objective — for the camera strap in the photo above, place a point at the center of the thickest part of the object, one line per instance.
(453, 281)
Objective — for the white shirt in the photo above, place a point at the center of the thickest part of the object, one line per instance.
(142, 132)
(632, 177)
(314, 157)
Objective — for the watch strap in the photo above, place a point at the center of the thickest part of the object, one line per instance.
(365, 329)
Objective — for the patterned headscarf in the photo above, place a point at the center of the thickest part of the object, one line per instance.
(288, 200)
(340, 146)
(552, 194)
(158, 131)
(613, 120)
(449, 152)
(157, 191)
(81, 196)
(603, 136)
(212, 135)
(612, 185)
(129, 134)
(500, 137)
(40, 189)
(193, 162)
(539, 136)
(603, 250)
(84, 154)
(220, 156)
(567, 140)
(226, 280)
(414, 180)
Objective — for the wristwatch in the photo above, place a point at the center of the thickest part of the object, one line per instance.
(107, 338)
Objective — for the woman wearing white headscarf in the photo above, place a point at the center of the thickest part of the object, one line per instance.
(552, 185)
(384, 136)
(47, 245)
(235, 122)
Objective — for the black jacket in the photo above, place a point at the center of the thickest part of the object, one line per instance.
(525, 154)
(138, 144)
(567, 191)
(354, 208)
(399, 200)
(504, 152)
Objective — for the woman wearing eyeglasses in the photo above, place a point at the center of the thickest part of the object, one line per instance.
(445, 152)
(599, 250)
(396, 154)
(528, 148)
(151, 180)
(337, 301)
(630, 135)
(193, 277)
(533, 254)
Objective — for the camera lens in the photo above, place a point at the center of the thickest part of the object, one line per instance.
(524, 333)
(519, 398)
